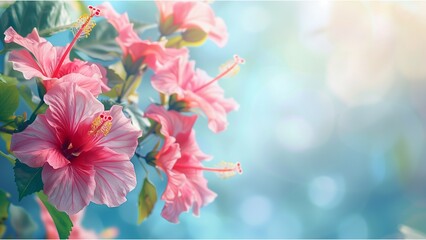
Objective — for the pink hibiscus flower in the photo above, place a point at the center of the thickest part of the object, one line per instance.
(84, 151)
(180, 158)
(153, 54)
(77, 232)
(52, 64)
(192, 15)
(197, 89)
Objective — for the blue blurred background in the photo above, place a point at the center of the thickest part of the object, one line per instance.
(330, 130)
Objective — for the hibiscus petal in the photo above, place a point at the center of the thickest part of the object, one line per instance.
(115, 176)
(70, 188)
(219, 33)
(39, 47)
(93, 84)
(172, 78)
(172, 123)
(201, 194)
(24, 62)
(69, 105)
(47, 148)
(126, 34)
(123, 136)
(173, 209)
(193, 14)
(168, 154)
(165, 8)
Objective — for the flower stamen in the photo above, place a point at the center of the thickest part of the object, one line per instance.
(84, 25)
(101, 125)
(224, 169)
(228, 69)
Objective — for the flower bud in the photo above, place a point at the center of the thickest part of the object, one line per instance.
(194, 36)
(167, 27)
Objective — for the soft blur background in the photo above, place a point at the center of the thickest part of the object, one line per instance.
(330, 131)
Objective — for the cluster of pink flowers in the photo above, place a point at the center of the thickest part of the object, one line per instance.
(85, 151)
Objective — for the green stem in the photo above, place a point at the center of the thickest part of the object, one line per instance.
(139, 157)
(122, 90)
(5, 130)
(131, 80)
(149, 132)
(34, 114)
(9, 157)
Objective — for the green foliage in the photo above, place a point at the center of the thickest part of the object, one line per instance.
(28, 180)
(136, 116)
(21, 222)
(147, 200)
(101, 43)
(27, 95)
(9, 98)
(4, 206)
(113, 78)
(46, 16)
(61, 219)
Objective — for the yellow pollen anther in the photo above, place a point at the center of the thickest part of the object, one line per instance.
(101, 125)
(86, 28)
(229, 169)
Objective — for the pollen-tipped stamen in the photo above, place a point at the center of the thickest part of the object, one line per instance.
(101, 125)
(236, 62)
(86, 26)
(224, 170)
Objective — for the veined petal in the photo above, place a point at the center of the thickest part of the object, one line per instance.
(201, 194)
(37, 46)
(24, 62)
(121, 22)
(123, 136)
(70, 188)
(115, 176)
(69, 105)
(172, 209)
(172, 123)
(38, 144)
(92, 84)
(168, 155)
(193, 14)
(172, 78)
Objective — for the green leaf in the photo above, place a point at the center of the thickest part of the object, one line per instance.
(114, 92)
(147, 200)
(142, 27)
(28, 180)
(21, 222)
(23, 16)
(8, 80)
(4, 206)
(28, 96)
(9, 100)
(61, 219)
(136, 116)
(113, 78)
(101, 43)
